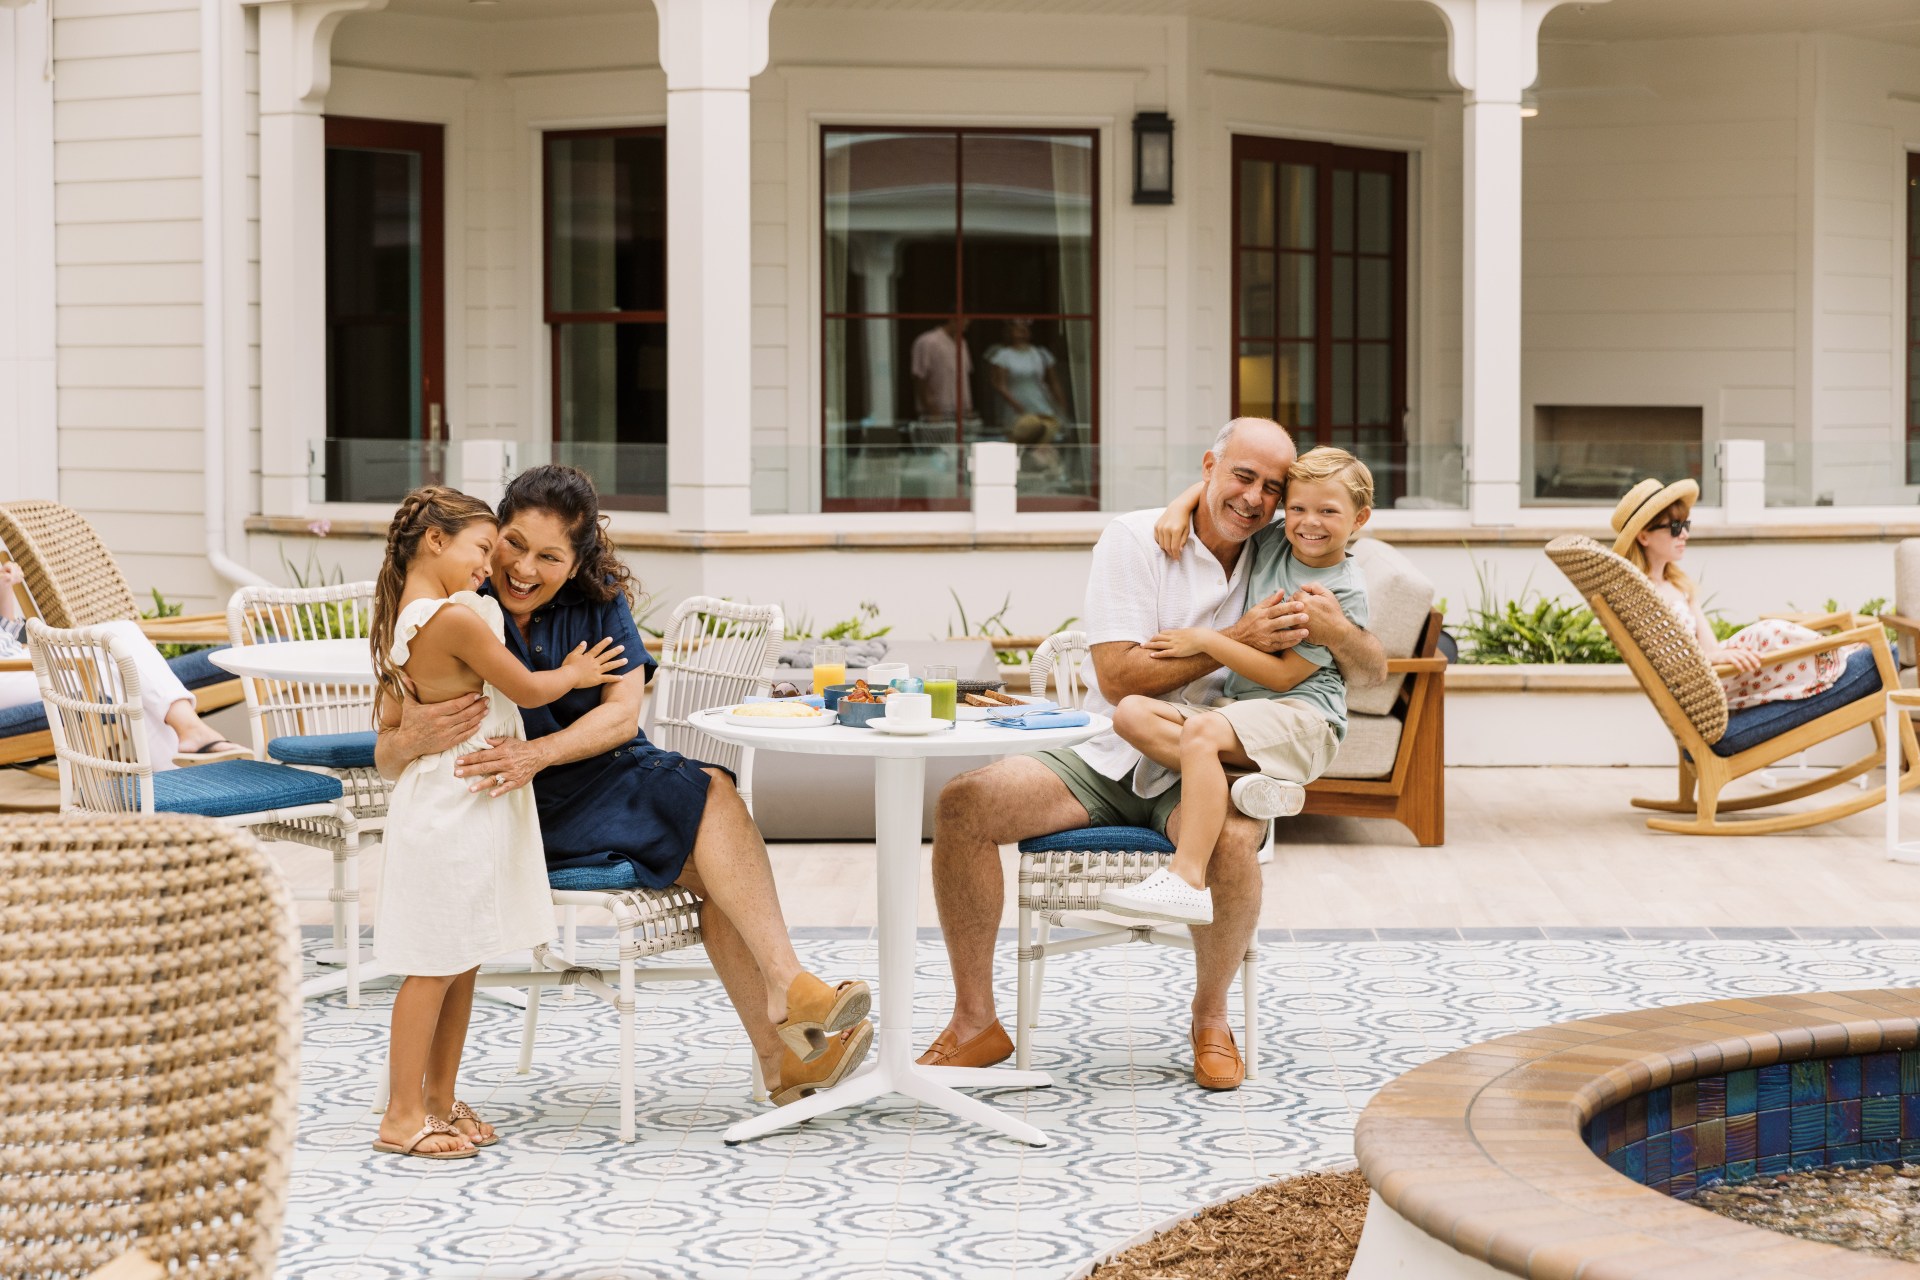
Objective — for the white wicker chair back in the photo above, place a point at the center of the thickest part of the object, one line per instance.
(715, 652)
(1065, 655)
(92, 694)
(283, 708)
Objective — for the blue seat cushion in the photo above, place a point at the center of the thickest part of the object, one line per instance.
(1755, 725)
(1111, 839)
(196, 670)
(234, 787)
(326, 750)
(607, 873)
(28, 717)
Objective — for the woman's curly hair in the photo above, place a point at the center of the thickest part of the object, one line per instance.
(568, 493)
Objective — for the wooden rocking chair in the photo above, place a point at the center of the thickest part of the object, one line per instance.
(1715, 747)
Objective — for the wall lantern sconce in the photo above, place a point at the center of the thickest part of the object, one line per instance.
(1153, 158)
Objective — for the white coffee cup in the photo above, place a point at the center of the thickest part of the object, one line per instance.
(882, 674)
(909, 709)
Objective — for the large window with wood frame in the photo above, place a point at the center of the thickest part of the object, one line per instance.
(1320, 297)
(960, 303)
(606, 308)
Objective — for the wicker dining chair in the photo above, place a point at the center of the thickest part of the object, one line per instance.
(1063, 875)
(323, 728)
(719, 652)
(1715, 748)
(91, 688)
(149, 1036)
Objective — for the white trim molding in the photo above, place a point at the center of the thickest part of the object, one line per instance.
(29, 444)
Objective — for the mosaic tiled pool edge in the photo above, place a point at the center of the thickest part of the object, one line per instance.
(1817, 1113)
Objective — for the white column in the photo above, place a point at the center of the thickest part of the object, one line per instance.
(29, 441)
(710, 50)
(295, 72)
(1493, 54)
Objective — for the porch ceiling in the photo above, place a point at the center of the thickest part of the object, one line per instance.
(1890, 20)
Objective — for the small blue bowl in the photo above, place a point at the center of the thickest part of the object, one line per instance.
(858, 714)
(832, 694)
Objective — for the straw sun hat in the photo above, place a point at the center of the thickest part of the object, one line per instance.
(1645, 501)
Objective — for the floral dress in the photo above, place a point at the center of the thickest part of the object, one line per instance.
(1790, 681)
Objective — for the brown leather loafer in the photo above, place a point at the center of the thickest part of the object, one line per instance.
(1216, 1058)
(844, 1052)
(990, 1048)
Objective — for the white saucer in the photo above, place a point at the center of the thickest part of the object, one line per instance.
(884, 725)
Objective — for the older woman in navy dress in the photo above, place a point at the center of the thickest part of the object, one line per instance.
(615, 810)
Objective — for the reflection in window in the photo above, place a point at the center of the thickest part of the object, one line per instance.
(959, 306)
(606, 303)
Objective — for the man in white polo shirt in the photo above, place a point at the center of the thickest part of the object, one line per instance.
(1135, 591)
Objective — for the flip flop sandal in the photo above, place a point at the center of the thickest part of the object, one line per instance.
(461, 1111)
(433, 1125)
(816, 1011)
(212, 753)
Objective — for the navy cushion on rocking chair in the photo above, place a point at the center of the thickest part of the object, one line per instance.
(233, 787)
(195, 668)
(1755, 725)
(326, 750)
(1107, 839)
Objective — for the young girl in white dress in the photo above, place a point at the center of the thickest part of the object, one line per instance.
(465, 878)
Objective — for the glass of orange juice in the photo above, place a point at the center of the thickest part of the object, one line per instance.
(829, 666)
(940, 682)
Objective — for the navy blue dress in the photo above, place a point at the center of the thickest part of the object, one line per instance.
(635, 804)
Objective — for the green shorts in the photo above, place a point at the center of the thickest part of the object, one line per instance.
(1109, 803)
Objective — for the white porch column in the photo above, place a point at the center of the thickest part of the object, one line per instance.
(29, 438)
(296, 69)
(710, 49)
(1493, 54)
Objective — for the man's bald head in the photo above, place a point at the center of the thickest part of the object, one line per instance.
(1245, 473)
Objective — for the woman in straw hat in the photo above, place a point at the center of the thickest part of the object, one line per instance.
(1650, 528)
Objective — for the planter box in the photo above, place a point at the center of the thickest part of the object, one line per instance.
(1572, 714)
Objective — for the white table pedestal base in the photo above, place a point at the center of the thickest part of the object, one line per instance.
(899, 783)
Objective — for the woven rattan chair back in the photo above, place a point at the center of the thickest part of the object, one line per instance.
(716, 652)
(1063, 655)
(286, 708)
(70, 574)
(92, 694)
(1672, 669)
(151, 1024)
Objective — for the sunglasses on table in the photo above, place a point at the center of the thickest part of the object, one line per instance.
(1675, 527)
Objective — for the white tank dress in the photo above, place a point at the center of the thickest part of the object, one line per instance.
(464, 879)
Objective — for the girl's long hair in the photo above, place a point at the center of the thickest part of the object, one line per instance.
(568, 493)
(432, 506)
(1637, 556)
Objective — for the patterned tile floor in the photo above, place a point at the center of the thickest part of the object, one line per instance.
(891, 1192)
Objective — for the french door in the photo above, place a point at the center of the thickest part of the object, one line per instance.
(386, 313)
(1320, 297)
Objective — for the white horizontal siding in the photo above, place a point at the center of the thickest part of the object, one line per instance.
(128, 279)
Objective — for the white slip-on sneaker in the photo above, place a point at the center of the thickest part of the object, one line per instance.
(1161, 896)
(1259, 796)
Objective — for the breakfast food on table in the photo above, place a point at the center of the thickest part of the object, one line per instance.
(784, 689)
(776, 711)
(992, 698)
(861, 693)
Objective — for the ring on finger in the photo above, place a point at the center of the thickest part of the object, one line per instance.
(499, 779)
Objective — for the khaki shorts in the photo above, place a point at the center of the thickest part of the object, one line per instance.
(1288, 740)
(1109, 803)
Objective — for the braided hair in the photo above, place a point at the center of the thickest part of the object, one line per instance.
(432, 506)
(567, 493)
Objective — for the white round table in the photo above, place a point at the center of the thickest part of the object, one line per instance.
(899, 786)
(316, 662)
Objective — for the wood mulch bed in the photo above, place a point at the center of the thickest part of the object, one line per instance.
(1303, 1228)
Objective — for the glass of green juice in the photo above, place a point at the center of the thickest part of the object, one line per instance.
(940, 682)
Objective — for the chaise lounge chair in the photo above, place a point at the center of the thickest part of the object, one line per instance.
(1716, 747)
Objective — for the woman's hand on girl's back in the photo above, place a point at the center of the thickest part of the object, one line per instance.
(594, 667)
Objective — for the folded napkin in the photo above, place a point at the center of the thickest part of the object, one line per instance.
(1065, 719)
(811, 699)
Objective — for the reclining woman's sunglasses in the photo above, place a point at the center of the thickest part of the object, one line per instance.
(1676, 527)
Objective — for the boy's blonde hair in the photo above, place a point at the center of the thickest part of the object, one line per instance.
(1326, 463)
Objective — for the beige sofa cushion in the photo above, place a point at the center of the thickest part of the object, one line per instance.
(1399, 597)
(1369, 751)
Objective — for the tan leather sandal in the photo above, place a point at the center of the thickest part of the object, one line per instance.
(461, 1111)
(433, 1126)
(816, 1011)
(798, 1079)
